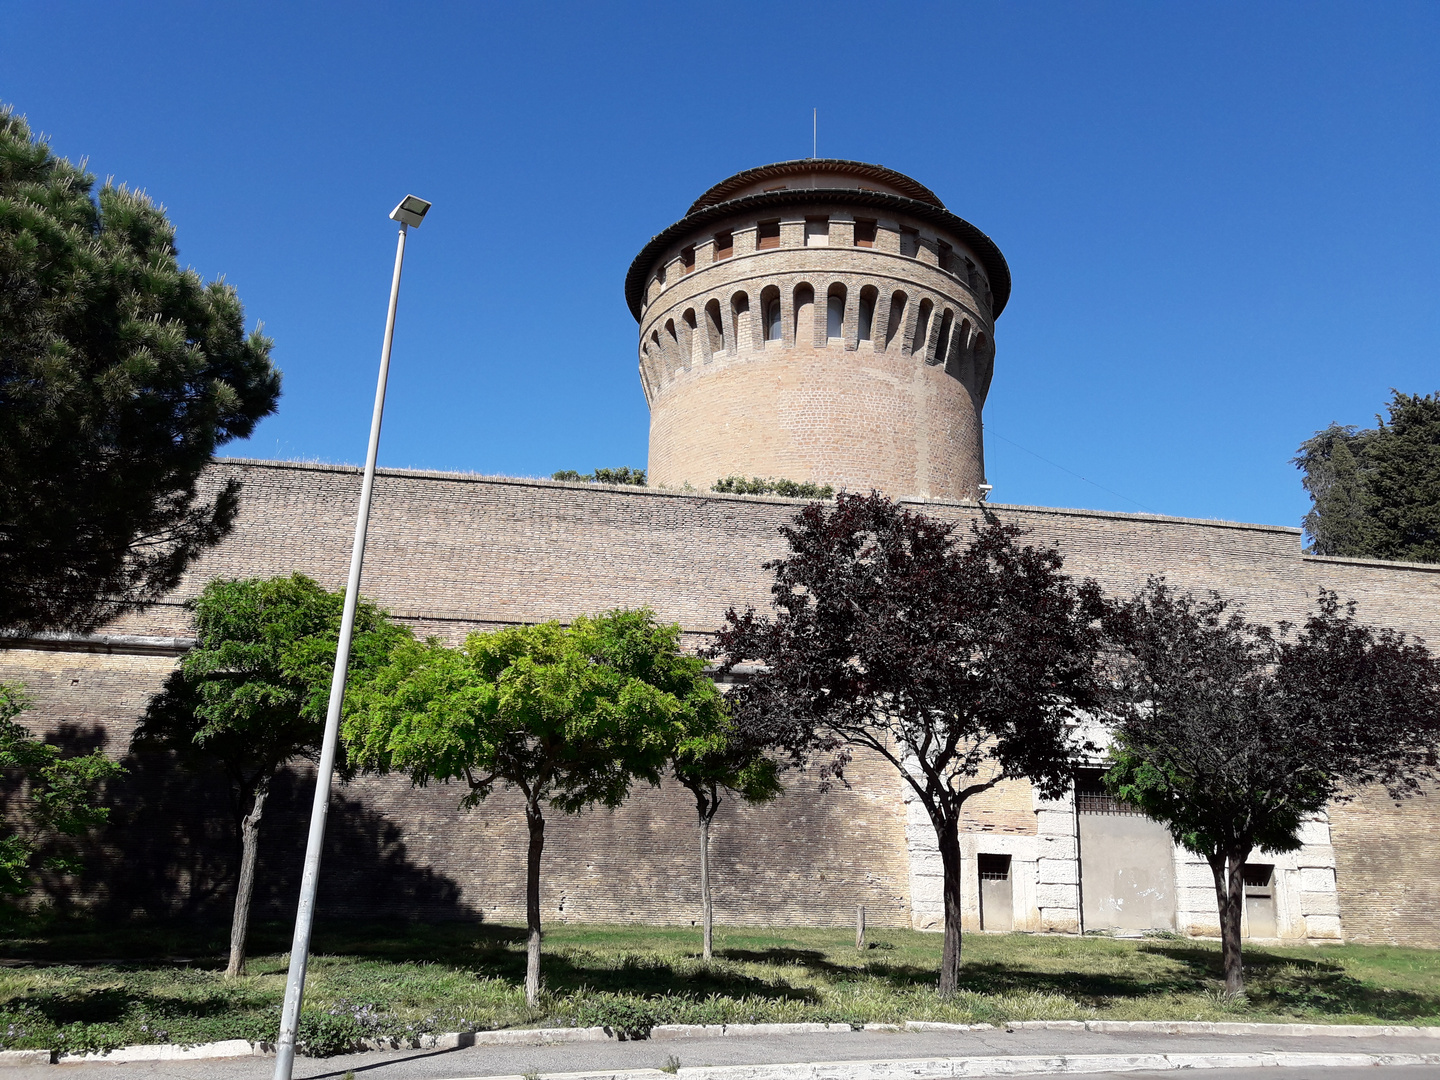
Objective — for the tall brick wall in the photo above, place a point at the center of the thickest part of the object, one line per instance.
(450, 553)
(1387, 868)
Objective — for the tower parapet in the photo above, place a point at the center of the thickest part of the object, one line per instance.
(819, 320)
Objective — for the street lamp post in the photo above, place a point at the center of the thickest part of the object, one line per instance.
(410, 212)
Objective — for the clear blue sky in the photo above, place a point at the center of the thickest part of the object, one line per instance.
(1221, 218)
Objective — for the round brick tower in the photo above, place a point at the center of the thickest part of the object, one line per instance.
(819, 320)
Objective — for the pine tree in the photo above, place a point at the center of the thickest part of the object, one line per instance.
(120, 373)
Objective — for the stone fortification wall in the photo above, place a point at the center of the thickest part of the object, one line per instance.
(396, 850)
(451, 553)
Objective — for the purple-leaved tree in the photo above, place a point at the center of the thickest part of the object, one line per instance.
(1232, 733)
(963, 664)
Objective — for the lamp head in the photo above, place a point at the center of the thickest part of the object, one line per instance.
(411, 211)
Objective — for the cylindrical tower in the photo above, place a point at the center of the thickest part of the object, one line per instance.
(819, 320)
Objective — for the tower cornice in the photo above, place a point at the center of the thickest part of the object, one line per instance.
(996, 268)
(904, 185)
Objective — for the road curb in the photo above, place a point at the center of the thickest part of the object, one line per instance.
(1028, 1065)
(1208, 1027)
(664, 1032)
(455, 1040)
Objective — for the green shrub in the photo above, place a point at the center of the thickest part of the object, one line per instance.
(624, 1017)
(790, 489)
(622, 475)
(338, 1029)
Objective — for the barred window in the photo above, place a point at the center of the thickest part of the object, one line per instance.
(994, 867)
(1091, 796)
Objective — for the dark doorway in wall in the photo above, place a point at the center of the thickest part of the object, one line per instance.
(1260, 900)
(1127, 861)
(997, 895)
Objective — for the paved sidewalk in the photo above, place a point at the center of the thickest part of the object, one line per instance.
(885, 1051)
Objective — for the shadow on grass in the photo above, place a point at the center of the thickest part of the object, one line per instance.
(1317, 986)
(1278, 984)
(494, 951)
(111, 1005)
(812, 959)
(659, 979)
(482, 949)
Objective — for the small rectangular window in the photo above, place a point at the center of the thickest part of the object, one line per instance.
(767, 234)
(909, 242)
(864, 233)
(724, 245)
(817, 232)
(946, 256)
(687, 259)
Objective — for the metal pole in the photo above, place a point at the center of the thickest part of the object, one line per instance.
(305, 916)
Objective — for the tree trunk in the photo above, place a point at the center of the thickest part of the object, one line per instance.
(245, 889)
(1229, 874)
(948, 835)
(536, 821)
(706, 911)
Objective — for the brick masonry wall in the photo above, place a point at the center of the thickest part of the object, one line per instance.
(1388, 868)
(842, 418)
(451, 553)
(899, 411)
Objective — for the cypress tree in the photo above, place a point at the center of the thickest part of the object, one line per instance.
(1376, 491)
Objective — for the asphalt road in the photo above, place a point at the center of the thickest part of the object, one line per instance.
(479, 1062)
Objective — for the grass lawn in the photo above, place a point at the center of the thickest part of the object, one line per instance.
(81, 986)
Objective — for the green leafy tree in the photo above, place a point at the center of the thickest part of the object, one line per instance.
(1376, 492)
(120, 373)
(1232, 734)
(570, 717)
(251, 697)
(57, 799)
(718, 755)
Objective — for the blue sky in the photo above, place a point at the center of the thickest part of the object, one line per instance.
(1221, 218)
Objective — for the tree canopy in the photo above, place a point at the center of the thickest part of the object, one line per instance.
(251, 697)
(120, 373)
(963, 665)
(721, 755)
(569, 716)
(1376, 491)
(1233, 734)
(57, 799)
